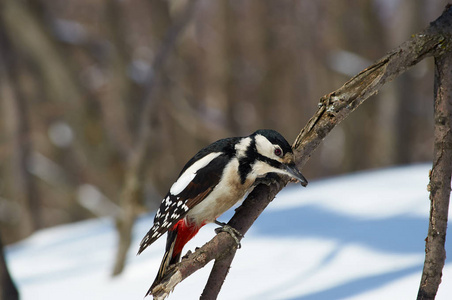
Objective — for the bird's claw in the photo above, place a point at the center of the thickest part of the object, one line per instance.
(231, 230)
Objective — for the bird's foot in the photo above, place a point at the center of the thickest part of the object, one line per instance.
(236, 235)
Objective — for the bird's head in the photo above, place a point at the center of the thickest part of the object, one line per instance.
(275, 155)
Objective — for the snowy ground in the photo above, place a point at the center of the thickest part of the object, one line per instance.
(359, 236)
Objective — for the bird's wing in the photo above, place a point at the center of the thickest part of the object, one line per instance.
(192, 186)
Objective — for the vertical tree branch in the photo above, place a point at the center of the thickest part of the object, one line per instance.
(217, 276)
(440, 180)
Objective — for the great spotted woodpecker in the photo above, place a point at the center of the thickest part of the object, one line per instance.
(215, 179)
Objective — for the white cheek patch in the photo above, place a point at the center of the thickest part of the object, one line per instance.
(260, 169)
(265, 147)
(186, 177)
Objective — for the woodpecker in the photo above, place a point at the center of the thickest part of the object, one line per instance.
(215, 179)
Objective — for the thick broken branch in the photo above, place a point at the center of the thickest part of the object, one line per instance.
(333, 108)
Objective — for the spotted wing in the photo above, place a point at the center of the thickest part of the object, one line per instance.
(175, 206)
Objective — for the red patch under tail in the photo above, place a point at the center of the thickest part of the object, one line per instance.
(185, 232)
(178, 236)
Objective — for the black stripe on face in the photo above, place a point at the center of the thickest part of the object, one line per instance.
(246, 162)
(251, 155)
(274, 163)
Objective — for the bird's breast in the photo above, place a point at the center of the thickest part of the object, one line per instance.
(226, 193)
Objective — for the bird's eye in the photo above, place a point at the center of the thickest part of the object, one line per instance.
(278, 152)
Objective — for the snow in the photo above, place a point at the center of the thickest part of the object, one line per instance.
(358, 236)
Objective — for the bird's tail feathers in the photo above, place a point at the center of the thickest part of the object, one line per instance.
(167, 259)
(178, 236)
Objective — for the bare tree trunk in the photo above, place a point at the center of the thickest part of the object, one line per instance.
(19, 124)
(133, 182)
(440, 180)
(8, 290)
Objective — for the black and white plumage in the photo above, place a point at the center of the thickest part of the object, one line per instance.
(216, 178)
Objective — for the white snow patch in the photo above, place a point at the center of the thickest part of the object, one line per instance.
(352, 237)
(371, 195)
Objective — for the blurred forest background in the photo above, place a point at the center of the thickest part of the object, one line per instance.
(102, 102)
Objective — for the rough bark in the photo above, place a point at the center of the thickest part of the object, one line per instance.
(217, 276)
(440, 180)
(333, 108)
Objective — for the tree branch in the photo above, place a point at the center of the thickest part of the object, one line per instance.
(333, 108)
(440, 180)
(217, 276)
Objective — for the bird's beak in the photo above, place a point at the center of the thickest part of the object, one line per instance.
(295, 173)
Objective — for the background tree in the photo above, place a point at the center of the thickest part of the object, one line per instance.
(8, 290)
